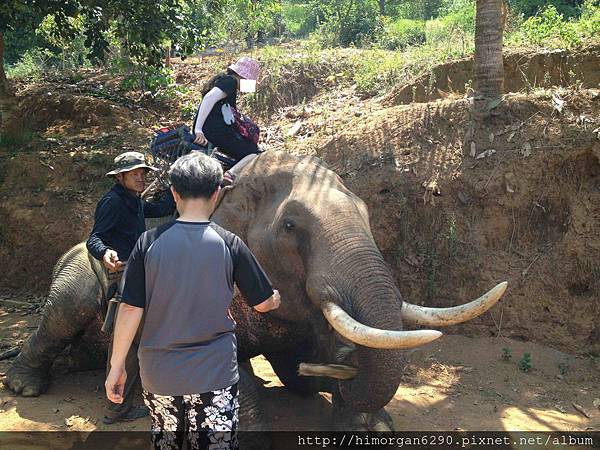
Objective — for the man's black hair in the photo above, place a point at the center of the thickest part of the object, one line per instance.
(196, 175)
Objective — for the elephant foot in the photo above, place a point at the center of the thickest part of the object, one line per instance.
(27, 381)
(378, 421)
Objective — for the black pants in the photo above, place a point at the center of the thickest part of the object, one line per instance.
(132, 365)
(230, 142)
(207, 420)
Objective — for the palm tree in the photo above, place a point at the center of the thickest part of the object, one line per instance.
(489, 69)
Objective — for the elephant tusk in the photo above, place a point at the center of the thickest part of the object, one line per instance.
(438, 317)
(337, 371)
(370, 337)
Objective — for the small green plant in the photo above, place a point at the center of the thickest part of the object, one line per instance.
(452, 238)
(564, 366)
(506, 354)
(525, 363)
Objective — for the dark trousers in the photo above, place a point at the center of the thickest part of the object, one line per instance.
(206, 421)
(231, 142)
(132, 367)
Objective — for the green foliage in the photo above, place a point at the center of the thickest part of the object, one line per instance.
(525, 364)
(549, 25)
(529, 8)
(250, 21)
(400, 33)
(551, 29)
(375, 70)
(418, 9)
(564, 367)
(343, 22)
(589, 21)
(506, 354)
(452, 241)
(32, 66)
(297, 19)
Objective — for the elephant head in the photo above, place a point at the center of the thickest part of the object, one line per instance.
(313, 238)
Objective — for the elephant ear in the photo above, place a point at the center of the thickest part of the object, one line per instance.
(259, 188)
(237, 208)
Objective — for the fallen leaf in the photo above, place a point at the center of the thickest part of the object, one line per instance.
(526, 151)
(473, 149)
(510, 137)
(596, 403)
(294, 128)
(491, 137)
(494, 103)
(557, 102)
(486, 153)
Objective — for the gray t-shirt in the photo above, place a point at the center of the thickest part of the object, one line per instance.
(183, 275)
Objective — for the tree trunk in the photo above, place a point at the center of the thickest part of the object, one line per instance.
(381, 7)
(489, 68)
(4, 89)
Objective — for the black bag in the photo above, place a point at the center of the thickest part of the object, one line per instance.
(169, 144)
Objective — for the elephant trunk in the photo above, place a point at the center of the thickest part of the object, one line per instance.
(360, 282)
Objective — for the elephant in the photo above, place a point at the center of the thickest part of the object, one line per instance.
(340, 326)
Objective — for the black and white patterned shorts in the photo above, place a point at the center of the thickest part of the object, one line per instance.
(207, 420)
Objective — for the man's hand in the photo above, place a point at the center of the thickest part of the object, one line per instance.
(111, 260)
(269, 304)
(200, 138)
(115, 384)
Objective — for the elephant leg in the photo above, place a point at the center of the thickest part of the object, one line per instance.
(251, 413)
(346, 419)
(64, 318)
(285, 365)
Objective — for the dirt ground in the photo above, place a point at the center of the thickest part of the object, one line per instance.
(455, 207)
(455, 383)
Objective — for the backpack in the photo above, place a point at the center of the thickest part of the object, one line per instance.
(246, 126)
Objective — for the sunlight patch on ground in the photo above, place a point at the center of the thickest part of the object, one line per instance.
(536, 419)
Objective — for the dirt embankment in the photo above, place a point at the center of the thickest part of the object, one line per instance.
(523, 70)
(449, 223)
(458, 206)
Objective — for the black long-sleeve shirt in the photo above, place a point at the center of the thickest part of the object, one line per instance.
(119, 221)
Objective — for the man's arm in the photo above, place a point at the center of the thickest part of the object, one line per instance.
(105, 219)
(128, 320)
(252, 280)
(269, 304)
(165, 206)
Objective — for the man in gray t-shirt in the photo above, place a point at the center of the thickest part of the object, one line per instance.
(180, 277)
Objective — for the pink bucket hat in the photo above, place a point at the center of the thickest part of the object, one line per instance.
(247, 68)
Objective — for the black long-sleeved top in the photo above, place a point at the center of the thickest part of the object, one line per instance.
(119, 221)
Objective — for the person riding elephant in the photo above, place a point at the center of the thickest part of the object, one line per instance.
(118, 223)
(342, 326)
(214, 119)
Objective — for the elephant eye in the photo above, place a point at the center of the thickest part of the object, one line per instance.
(288, 225)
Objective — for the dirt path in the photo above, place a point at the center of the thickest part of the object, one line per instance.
(455, 383)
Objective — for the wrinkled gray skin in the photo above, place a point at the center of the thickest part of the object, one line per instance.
(313, 238)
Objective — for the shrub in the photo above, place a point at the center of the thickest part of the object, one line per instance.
(549, 25)
(529, 8)
(32, 66)
(297, 19)
(400, 33)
